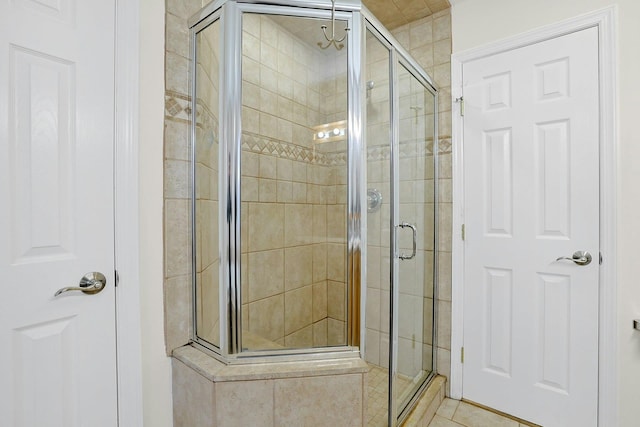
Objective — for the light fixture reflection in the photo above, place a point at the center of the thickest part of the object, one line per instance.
(330, 132)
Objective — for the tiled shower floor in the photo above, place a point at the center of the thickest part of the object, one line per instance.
(378, 395)
(378, 387)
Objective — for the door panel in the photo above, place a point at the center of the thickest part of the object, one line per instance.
(43, 168)
(414, 183)
(56, 176)
(532, 196)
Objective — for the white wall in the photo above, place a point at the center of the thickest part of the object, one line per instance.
(157, 404)
(477, 22)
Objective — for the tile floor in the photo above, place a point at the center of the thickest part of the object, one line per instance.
(377, 386)
(453, 413)
(377, 397)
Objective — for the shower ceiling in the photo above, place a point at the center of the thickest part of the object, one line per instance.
(394, 13)
(308, 33)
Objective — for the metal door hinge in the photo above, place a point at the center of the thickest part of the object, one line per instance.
(462, 232)
(600, 259)
(117, 276)
(461, 354)
(460, 102)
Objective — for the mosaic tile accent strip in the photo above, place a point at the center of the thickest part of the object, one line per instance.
(337, 158)
(206, 120)
(273, 147)
(444, 145)
(177, 106)
(263, 145)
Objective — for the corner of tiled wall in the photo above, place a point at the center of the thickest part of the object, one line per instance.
(177, 211)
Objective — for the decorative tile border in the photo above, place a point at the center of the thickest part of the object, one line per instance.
(272, 147)
(178, 107)
(444, 145)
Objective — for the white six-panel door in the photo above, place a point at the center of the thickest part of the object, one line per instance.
(58, 359)
(531, 137)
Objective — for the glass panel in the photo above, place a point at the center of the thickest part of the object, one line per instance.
(206, 184)
(378, 143)
(416, 197)
(293, 185)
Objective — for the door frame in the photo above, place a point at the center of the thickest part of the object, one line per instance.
(606, 21)
(126, 215)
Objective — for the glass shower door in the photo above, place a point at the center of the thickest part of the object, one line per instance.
(415, 236)
(400, 118)
(378, 285)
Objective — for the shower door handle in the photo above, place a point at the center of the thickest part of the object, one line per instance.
(415, 233)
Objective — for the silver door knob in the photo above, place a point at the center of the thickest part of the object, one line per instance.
(91, 283)
(579, 257)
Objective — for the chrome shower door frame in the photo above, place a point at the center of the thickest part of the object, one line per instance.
(399, 56)
(230, 131)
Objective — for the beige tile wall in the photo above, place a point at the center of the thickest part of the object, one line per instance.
(293, 199)
(378, 177)
(177, 212)
(206, 156)
(378, 270)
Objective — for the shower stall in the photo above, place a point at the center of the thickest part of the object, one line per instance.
(314, 193)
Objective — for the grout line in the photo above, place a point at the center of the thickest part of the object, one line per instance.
(455, 411)
(444, 418)
(502, 414)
